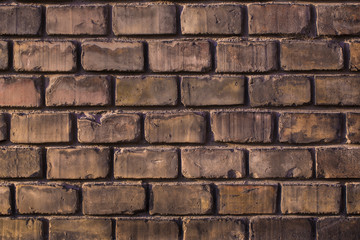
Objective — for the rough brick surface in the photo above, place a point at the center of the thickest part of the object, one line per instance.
(352, 196)
(144, 19)
(353, 127)
(354, 56)
(4, 55)
(338, 228)
(211, 19)
(3, 128)
(5, 200)
(20, 20)
(28, 228)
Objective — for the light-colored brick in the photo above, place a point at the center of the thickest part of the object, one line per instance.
(29, 229)
(5, 200)
(20, 20)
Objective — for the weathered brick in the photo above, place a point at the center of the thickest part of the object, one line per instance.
(46, 199)
(145, 163)
(40, 128)
(241, 127)
(211, 19)
(179, 56)
(113, 56)
(213, 228)
(309, 127)
(125, 199)
(353, 127)
(212, 90)
(175, 128)
(246, 199)
(3, 128)
(280, 163)
(77, 91)
(310, 198)
(80, 229)
(338, 19)
(19, 162)
(4, 55)
(279, 19)
(352, 198)
(20, 20)
(5, 200)
(337, 228)
(311, 55)
(337, 90)
(76, 20)
(279, 90)
(180, 199)
(246, 56)
(338, 163)
(146, 229)
(77, 163)
(20, 91)
(109, 128)
(354, 56)
(44, 56)
(144, 19)
(29, 229)
(281, 228)
(212, 163)
(146, 91)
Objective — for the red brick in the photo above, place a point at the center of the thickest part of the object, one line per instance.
(144, 19)
(4, 55)
(5, 200)
(28, 228)
(179, 56)
(20, 20)
(242, 127)
(354, 48)
(338, 228)
(353, 127)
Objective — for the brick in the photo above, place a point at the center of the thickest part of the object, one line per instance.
(243, 127)
(146, 229)
(311, 55)
(309, 127)
(279, 90)
(337, 163)
(80, 229)
(20, 20)
(30, 229)
(353, 127)
(213, 228)
(179, 56)
(76, 20)
(3, 128)
(44, 56)
(77, 163)
(20, 162)
(280, 163)
(211, 19)
(352, 198)
(5, 200)
(212, 90)
(246, 199)
(145, 163)
(310, 198)
(175, 128)
(46, 199)
(279, 19)
(338, 19)
(4, 55)
(337, 90)
(212, 163)
(338, 228)
(20, 92)
(146, 91)
(354, 56)
(125, 199)
(77, 91)
(113, 56)
(246, 56)
(144, 19)
(180, 199)
(281, 228)
(40, 128)
(109, 128)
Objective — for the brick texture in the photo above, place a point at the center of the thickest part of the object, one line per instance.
(20, 20)
(27, 228)
(4, 55)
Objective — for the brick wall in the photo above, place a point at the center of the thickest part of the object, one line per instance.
(180, 120)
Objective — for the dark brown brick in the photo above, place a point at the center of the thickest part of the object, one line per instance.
(21, 229)
(212, 163)
(5, 200)
(353, 127)
(4, 55)
(3, 128)
(181, 199)
(354, 56)
(125, 198)
(179, 56)
(352, 198)
(241, 127)
(311, 55)
(20, 20)
(212, 90)
(338, 228)
(246, 56)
